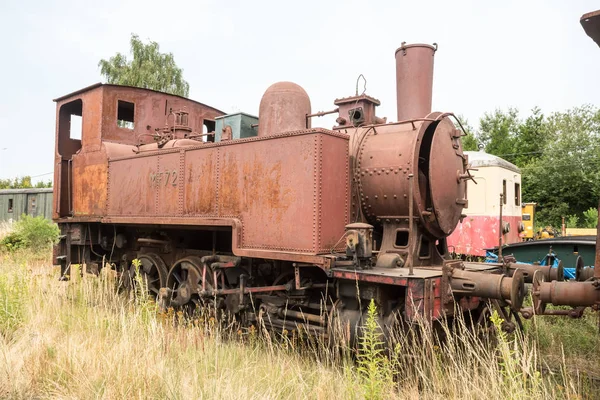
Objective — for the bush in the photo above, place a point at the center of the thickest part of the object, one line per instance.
(31, 232)
(572, 221)
(590, 218)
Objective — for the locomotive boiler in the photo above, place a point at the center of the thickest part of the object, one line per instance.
(270, 217)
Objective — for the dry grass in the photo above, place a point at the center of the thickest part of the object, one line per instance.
(84, 339)
(5, 228)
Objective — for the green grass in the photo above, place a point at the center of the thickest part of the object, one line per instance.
(87, 339)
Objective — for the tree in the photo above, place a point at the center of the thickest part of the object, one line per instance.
(498, 131)
(149, 69)
(23, 182)
(469, 141)
(559, 158)
(531, 139)
(565, 179)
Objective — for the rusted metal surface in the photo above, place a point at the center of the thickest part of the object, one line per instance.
(446, 161)
(583, 273)
(235, 179)
(393, 276)
(591, 25)
(549, 273)
(80, 179)
(388, 154)
(283, 108)
(423, 299)
(568, 293)
(356, 111)
(491, 286)
(414, 80)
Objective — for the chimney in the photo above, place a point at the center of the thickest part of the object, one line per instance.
(414, 80)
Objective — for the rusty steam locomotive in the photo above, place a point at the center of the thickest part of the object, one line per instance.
(270, 216)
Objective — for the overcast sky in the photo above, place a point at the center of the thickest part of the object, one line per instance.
(491, 55)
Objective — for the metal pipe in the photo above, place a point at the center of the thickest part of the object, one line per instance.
(491, 286)
(582, 274)
(410, 257)
(414, 80)
(242, 288)
(548, 272)
(283, 313)
(247, 290)
(322, 113)
(568, 293)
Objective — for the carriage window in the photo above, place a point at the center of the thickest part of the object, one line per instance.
(504, 191)
(125, 114)
(517, 194)
(10, 205)
(526, 217)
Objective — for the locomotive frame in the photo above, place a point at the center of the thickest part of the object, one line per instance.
(286, 224)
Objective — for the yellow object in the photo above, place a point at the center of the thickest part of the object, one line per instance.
(527, 216)
(547, 232)
(581, 232)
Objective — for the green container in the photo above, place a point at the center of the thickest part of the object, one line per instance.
(241, 125)
(566, 248)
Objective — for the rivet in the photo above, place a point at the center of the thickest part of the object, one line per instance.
(405, 196)
(395, 196)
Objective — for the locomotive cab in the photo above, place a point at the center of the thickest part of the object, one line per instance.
(106, 121)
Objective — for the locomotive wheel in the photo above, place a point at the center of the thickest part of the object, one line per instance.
(185, 281)
(153, 271)
(282, 279)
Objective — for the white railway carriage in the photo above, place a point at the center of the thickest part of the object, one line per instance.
(479, 229)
